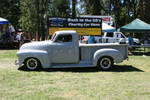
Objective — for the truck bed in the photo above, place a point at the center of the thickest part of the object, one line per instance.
(87, 50)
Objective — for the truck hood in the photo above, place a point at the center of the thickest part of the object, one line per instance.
(35, 45)
(136, 40)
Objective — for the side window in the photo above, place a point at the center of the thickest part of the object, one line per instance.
(118, 35)
(109, 34)
(122, 36)
(64, 38)
(53, 36)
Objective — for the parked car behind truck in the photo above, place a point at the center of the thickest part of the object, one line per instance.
(117, 37)
(113, 37)
(64, 51)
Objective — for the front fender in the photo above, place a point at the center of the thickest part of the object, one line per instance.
(113, 53)
(41, 55)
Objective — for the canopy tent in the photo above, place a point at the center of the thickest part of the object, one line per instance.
(136, 26)
(3, 21)
(107, 28)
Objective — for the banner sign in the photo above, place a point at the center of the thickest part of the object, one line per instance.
(83, 26)
(105, 19)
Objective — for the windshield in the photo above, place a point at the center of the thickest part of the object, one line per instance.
(53, 36)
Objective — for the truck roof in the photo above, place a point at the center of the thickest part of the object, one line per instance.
(66, 32)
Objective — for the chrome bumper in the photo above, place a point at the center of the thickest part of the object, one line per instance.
(16, 62)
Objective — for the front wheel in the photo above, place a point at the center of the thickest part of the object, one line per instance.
(105, 63)
(32, 63)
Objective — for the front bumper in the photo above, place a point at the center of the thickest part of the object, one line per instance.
(17, 62)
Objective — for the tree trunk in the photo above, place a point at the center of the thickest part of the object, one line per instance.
(73, 8)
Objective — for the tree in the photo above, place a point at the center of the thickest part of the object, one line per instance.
(93, 7)
(33, 16)
(42, 8)
(74, 2)
(28, 19)
(10, 10)
(124, 11)
(59, 8)
(144, 10)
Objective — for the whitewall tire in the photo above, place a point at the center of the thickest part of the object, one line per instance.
(32, 64)
(105, 63)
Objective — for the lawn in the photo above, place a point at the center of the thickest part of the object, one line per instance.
(129, 80)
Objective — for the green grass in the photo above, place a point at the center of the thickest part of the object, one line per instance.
(129, 80)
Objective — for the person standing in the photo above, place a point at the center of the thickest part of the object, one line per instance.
(91, 39)
(12, 32)
(130, 40)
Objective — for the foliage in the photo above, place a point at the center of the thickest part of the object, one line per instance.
(10, 10)
(93, 7)
(28, 19)
(59, 8)
(144, 10)
(74, 3)
(33, 16)
(124, 11)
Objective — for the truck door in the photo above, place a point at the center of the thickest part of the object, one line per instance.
(64, 51)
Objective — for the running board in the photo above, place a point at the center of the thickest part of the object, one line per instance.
(81, 64)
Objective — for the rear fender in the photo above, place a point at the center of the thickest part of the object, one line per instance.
(113, 53)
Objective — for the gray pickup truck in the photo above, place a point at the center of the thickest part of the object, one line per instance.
(64, 51)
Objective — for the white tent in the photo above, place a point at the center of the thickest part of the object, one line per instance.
(3, 21)
(107, 28)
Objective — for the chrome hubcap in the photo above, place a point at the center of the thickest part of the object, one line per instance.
(32, 63)
(105, 63)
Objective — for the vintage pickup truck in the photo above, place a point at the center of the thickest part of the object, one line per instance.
(64, 51)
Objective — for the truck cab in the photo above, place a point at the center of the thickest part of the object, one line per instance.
(65, 43)
(64, 50)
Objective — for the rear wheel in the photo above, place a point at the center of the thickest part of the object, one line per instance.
(105, 63)
(32, 64)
